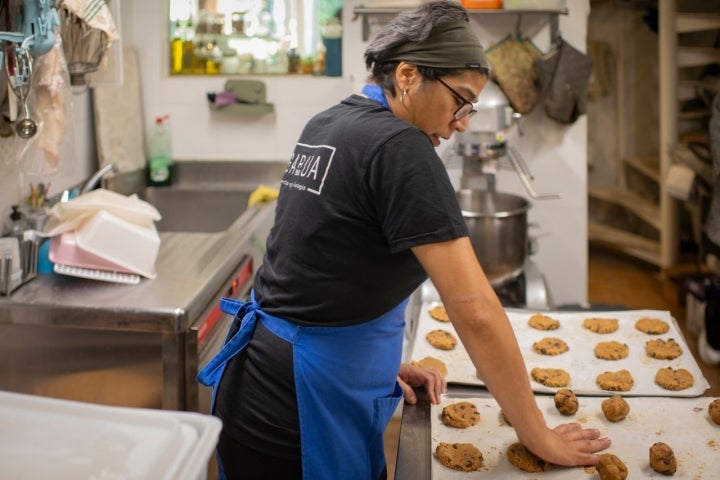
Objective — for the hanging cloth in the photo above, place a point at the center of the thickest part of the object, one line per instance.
(564, 76)
(513, 68)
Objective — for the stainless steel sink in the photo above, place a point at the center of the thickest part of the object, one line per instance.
(196, 209)
(206, 196)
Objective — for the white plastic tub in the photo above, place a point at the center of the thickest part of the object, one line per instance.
(121, 242)
(45, 438)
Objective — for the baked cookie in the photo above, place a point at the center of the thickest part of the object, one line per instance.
(619, 381)
(459, 456)
(672, 379)
(611, 350)
(615, 408)
(438, 313)
(460, 415)
(662, 458)
(714, 411)
(550, 346)
(524, 459)
(566, 401)
(441, 339)
(543, 322)
(432, 362)
(663, 349)
(652, 326)
(551, 377)
(610, 467)
(601, 325)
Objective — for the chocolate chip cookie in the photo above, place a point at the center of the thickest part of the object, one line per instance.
(601, 325)
(662, 458)
(619, 381)
(524, 459)
(615, 408)
(663, 349)
(550, 346)
(441, 339)
(551, 377)
(432, 362)
(674, 379)
(439, 313)
(460, 415)
(543, 322)
(459, 456)
(611, 350)
(566, 401)
(652, 326)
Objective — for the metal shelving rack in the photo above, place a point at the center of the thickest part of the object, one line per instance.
(388, 12)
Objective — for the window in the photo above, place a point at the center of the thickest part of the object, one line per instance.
(253, 37)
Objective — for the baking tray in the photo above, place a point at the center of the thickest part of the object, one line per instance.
(579, 361)
(682, 423)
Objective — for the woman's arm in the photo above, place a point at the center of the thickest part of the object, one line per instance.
(485, 331)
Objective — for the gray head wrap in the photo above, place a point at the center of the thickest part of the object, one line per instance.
(451, 45)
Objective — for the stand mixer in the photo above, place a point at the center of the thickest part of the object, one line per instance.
(497, 221)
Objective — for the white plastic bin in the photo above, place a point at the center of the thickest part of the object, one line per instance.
(45, 438)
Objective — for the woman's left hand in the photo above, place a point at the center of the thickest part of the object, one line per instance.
(416, 376)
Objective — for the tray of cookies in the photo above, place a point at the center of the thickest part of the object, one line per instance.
(633, 352)
(654, 439)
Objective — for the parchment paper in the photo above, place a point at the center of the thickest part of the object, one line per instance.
(682, 423)
(579, 361)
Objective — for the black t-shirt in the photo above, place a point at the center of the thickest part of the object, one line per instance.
(361, 188)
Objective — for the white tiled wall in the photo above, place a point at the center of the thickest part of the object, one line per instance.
(556, 155)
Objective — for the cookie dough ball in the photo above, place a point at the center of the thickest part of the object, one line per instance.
(566, 401)
(460, 415)
(714, 411)
(610, 467)
(524, 459)
(459, 456)
(662, 458)
(615, 408)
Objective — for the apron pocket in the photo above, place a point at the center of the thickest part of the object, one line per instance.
(384, 409)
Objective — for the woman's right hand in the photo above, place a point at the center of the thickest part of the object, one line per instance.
(569, 445)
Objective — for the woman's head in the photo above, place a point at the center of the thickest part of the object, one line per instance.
(435, 37)
(432, 66)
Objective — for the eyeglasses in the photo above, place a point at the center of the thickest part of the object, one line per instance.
(465, 109)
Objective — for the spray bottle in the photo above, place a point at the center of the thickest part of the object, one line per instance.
(159, 151)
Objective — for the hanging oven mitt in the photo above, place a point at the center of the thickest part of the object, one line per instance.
(564, 76)
(512, 60)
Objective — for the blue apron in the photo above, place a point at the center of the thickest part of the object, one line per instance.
(345, 382)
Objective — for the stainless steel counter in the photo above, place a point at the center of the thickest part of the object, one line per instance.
(127, 345)
(191, 268)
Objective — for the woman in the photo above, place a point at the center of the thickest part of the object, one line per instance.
(366, 213)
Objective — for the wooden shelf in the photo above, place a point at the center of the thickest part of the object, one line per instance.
(646, 166)
(634, 245)
(643, 208)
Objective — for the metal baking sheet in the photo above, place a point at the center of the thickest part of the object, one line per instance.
(579, 361)
(682, 423)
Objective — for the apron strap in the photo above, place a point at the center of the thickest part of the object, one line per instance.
(211, 374)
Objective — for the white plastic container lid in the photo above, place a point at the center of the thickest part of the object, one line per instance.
(45, 438)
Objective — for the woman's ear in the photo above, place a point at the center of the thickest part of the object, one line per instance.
(406, 75)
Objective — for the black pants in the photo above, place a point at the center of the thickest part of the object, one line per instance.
(244, 463)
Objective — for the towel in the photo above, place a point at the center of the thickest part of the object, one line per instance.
(263, 195)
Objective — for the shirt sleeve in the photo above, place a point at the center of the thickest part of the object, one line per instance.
(414, 198)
